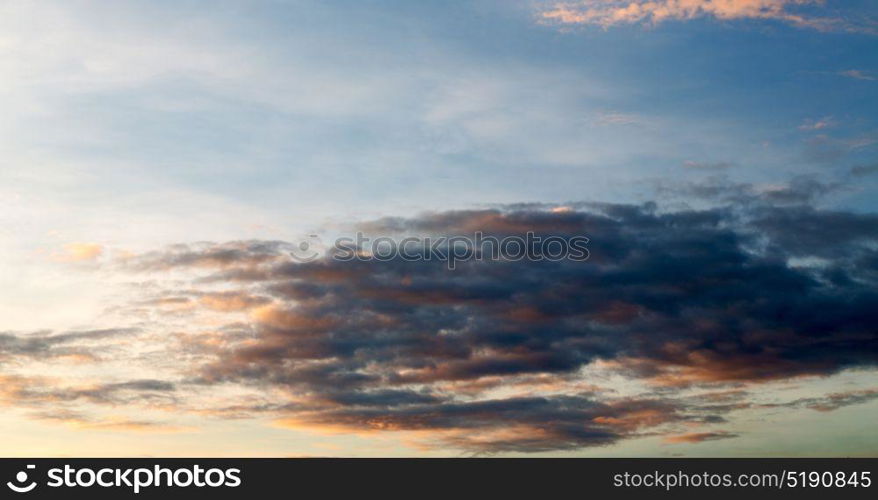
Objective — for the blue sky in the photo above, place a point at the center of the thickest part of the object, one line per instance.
(384, 104)
(130, 126)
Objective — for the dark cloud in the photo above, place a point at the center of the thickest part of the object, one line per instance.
(83, 405)
(801, 190)
(820, 233)
(47, 344)
(507, 425)
(831, 402)
(208, 255)
(761, 287)
(34, 391)
(864, 170)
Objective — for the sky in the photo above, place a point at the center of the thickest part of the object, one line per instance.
(160, 162)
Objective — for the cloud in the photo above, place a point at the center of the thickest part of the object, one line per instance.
(617, 118)
(100, 406)
(237, 253)
(819, 124)
(864, 170)
(823, 148)
(697, 165)
(232, 301)
(857, 74)
(607, 13)
(761, 287)
(48, 345)
(521, 424)
(40, 391)
(831, 402)
(80, 252)
(699, 437)
(803, 191)
(81, 421)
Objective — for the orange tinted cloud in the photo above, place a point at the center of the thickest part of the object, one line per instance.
(699, 437)
(115, 423)
(80, 252)
(613, 12)
(278, 317)
(231, 301)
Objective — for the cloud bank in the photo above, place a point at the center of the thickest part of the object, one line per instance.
(491, 357)
(757, 286)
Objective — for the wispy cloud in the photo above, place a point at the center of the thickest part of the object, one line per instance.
(832, 402)
(608, 13)
(700, 437)
(864, 170)
(858, 74)
(702, 165)
(114, 423)
(811, 124)
(79, 252)
(74, 345)
(618, 118)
